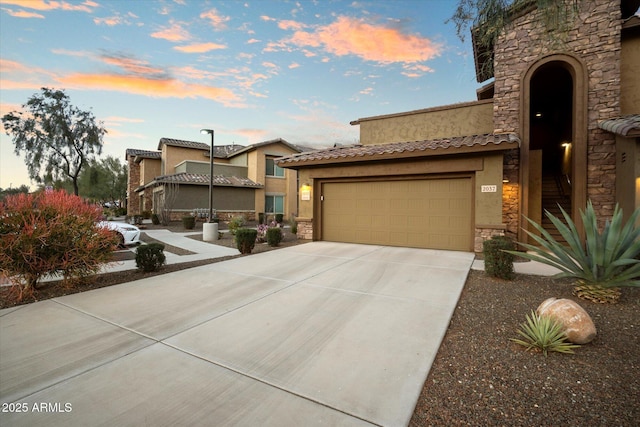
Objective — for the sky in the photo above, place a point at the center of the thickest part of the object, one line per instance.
(251, 70)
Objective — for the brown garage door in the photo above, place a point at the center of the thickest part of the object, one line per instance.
(426, 213)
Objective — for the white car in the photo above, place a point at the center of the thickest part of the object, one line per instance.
(128, 234)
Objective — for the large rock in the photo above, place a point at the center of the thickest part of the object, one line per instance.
(575, 321)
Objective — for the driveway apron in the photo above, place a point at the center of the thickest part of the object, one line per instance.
(315, 334)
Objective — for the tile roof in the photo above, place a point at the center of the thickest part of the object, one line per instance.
(397, 150)
(203, 179)
(182, 143)
(146, 154)
(624, 126)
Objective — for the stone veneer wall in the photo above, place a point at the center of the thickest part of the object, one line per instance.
(483, 234)
(510, 192)
(305, 228)
(595, 40)
(133, 181)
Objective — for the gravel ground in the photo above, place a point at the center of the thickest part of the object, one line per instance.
(481, 378)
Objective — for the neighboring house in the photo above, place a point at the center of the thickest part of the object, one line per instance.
(559, 124)
(246, 181)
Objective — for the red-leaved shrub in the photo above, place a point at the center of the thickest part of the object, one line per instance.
(51, 233)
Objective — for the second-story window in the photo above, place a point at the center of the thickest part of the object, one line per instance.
(273, 169)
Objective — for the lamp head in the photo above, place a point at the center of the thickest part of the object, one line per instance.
(206, 131)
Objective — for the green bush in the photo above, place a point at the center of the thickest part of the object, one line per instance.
(544, 334)
(189, 222)
(497, 262)
(279, 218)
(150, 257)
(155, 220)
(146, 214)
(246, 239)
(235, 224)
(274, 236)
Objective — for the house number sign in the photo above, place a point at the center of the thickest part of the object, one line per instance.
(488, 188)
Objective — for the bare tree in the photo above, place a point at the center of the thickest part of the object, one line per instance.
(167, 202)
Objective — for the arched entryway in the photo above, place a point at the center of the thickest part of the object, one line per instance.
(554, 139)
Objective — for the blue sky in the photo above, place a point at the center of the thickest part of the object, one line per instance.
(252, 70)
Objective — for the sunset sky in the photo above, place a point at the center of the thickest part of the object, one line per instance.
(250, 70)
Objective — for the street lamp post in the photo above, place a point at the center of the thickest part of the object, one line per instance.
(210, 229)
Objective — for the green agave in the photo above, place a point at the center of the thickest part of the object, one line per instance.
(543, 333)
(607, 259)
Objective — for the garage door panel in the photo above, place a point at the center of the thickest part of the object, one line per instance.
(422, 213)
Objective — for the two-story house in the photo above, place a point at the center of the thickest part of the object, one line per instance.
(559, 124)
(246, 181)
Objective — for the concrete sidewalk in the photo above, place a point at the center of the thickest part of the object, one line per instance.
(315, 334)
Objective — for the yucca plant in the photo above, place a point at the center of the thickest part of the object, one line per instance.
(545, 334)
(606, 260)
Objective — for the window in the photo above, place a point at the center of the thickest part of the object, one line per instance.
(273, 169)
(274, 204)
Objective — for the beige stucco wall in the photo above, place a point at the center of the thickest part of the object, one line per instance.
(472, 118)
(173, 156)
(256, 165)
(628, 174)
(226, 169)
(486, 170)
(630, 76)
(489, 204)
(149, 169)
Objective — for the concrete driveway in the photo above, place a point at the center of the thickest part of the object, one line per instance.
(316, 334)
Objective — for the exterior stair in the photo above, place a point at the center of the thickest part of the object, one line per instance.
(556, 192)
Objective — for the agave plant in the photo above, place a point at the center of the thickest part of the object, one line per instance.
(545, 334)
(606, 260)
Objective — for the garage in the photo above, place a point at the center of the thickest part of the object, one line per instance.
(422, 213)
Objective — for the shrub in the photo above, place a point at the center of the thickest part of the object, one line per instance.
(51, 233)
(545, 334)
(274, 236)
(279, 218)
(604, 261)
(150, 257)
(235, 224)
(294, 225)
(497, 262)
(155, 220)
(146, 214)
(246, 239)
(189, 222)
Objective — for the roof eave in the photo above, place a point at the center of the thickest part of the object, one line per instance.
(450, 151)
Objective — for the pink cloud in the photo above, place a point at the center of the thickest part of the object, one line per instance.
(349, 36)
(151, 87)
(23, 14)
(44, 5)
(173, 33)
(217, 21)
(290, 25)
(200, 47)
(133, 65)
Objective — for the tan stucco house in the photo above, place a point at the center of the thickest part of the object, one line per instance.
(556, 122)
(246, 179)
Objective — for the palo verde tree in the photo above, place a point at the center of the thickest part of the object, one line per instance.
(57, 138)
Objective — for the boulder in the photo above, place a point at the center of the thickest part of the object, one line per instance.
(575, 321)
